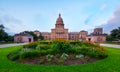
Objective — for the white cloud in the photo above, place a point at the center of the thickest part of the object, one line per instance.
(114, 22)
(11, 23)
(103, 6)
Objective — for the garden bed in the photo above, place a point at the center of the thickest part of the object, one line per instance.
(59, 53)
(56, 60)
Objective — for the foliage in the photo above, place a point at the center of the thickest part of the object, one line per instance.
(4, 37)
(61, 46)
(49, 57)
(80, 56)
(43, 47)
(114, 35)
(29, 54)
(32, 45)
(64, 56)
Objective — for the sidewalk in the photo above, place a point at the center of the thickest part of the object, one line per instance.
(9, 45)
(111, 45)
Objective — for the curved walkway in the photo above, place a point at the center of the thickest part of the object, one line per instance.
(9, 45)
(111, 45)
(17, 44)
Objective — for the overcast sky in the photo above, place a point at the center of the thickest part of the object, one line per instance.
(21, 15)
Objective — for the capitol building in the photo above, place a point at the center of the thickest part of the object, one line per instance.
(62, 33)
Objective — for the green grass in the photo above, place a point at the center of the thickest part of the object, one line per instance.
(110, 64)
(112, 43)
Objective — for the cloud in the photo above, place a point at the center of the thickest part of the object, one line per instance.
(11, 23)
(114, 22)
(88, 19)
(103, 6)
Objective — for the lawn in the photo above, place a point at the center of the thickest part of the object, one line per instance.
(110, 64)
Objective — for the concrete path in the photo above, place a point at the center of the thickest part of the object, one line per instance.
(111, 45)
(9, 45)
(17, 44)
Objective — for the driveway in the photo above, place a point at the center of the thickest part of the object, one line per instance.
(111, 45)
(9, 45)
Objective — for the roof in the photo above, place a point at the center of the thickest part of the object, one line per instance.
(83, 31)
(97, 35)
(36, 31)
(23, 34)
(73, 33)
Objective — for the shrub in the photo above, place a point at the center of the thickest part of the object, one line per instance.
(43, 52)
(31, 45)
(45, 42)
(49, 57)
(43, 47)
(64, 56)
(30, 54)
(14, 57)
(61, 46)
(80, 56)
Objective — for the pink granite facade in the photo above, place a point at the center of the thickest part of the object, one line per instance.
(23, 38)
(97, 36)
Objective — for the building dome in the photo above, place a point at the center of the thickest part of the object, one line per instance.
(59, 20)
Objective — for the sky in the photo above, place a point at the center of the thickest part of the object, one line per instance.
(31, 15)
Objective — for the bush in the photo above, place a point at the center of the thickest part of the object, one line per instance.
(61, 46)
(14, 57)
(79, 56)
(45, 42)
(31, 45)
(49, 57)
(30, 54)
(43, 47)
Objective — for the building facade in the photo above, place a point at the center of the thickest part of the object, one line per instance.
(62, 33)
(97, 36)
(23, 38)
(59, 32)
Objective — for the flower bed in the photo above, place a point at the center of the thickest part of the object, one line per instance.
(59, 52)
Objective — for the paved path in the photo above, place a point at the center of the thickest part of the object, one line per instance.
(17, 44)
(9, 45)
(111, 45)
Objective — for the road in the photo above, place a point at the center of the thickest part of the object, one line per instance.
(9, 45)
(111, 45)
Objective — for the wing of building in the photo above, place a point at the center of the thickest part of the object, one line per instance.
(23, 37)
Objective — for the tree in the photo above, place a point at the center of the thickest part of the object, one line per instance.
(114, 35)
(4, 37)
(32, 33)
(2, 27)
(41, 37)
(109, 38)
(35, 36)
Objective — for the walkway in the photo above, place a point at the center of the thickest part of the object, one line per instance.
(9, 45)
(111, 45)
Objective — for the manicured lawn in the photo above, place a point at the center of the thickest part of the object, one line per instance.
(112, 43)
(110, 64)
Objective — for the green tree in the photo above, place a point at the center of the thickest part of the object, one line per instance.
(41, 37)
(32, 33)
(4, 37)
(114, 35)
(35, 36)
